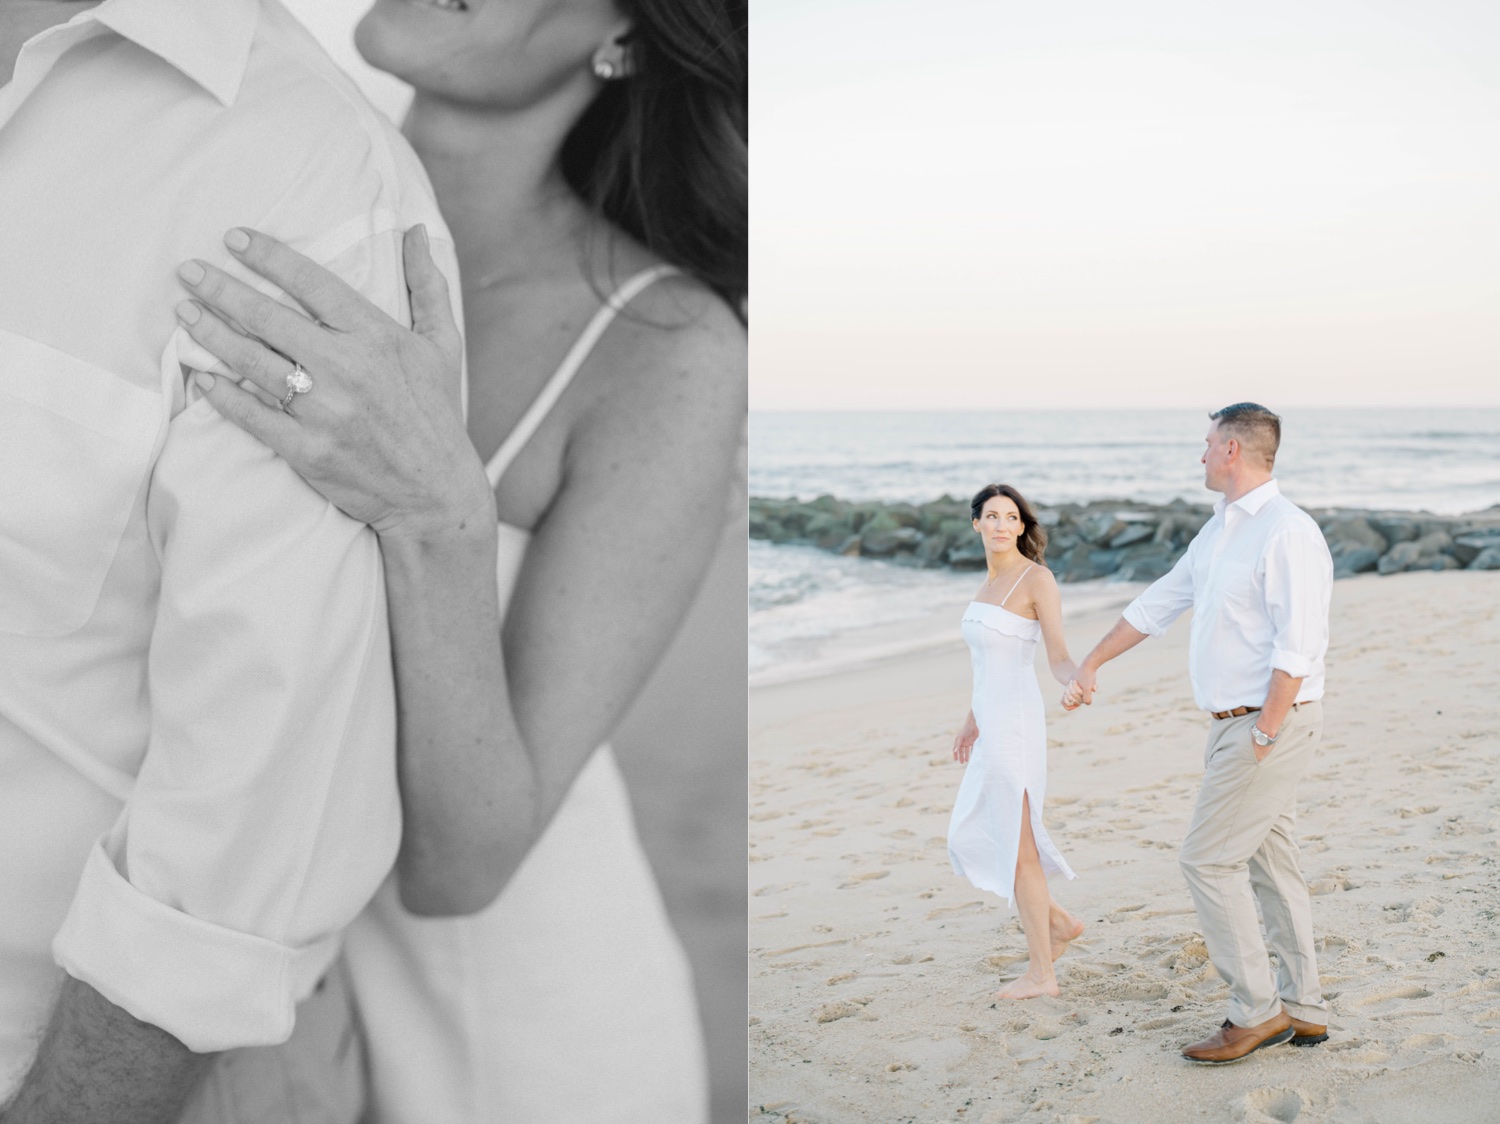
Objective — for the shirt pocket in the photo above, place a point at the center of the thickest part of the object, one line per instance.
(76, 442)
(1236, 582)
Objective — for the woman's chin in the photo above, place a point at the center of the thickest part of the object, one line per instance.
(400, 37)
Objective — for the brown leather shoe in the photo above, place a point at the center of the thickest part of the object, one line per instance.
(1306, 1034)
(1231, 1043)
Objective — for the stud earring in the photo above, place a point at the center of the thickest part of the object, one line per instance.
(604, 70)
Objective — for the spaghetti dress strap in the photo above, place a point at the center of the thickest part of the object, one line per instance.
(1012, 589)
(569, 367)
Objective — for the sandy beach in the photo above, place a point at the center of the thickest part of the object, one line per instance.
(873, 967)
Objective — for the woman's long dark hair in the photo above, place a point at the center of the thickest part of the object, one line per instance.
(663, 154)
(1033, 541)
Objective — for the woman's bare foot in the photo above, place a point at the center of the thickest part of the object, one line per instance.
(1065, 928)
(1028, 987)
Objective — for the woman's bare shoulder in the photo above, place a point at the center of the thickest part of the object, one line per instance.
(677, 347)
(1042, 579)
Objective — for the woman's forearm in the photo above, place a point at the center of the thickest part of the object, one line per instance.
(1063, 670)
(469, 786)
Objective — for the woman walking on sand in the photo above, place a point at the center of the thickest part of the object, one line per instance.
(996, 839)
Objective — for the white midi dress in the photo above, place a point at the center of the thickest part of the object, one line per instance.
(1010, 757)
(569, 999)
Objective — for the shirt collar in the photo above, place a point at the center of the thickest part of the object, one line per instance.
(208, 40)
(1252, 501)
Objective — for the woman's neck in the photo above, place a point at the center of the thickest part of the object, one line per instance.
(499, 187)
(1002, 566)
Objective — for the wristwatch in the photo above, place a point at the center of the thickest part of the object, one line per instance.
(1260, 737)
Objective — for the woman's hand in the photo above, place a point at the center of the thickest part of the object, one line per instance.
(381, 432)
(963, 742)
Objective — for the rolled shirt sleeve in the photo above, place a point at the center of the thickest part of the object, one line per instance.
(1165, 599)
(1298, 588)
(265, 813)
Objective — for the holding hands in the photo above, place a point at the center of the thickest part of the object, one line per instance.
(1081, 688)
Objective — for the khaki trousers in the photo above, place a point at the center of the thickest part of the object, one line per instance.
(315, 1077)
(1241, 849)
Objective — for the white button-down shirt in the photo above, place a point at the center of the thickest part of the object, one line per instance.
(197, 776)
(1258, 578)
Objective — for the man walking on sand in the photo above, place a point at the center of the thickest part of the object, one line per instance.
(1258, 578)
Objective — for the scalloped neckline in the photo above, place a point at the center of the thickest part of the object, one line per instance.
(1008, 612)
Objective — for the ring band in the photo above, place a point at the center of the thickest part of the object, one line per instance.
(298, 381)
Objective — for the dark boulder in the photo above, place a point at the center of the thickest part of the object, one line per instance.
(1468, 547)
(1486, 559)
(883, 542)
(1134, 532)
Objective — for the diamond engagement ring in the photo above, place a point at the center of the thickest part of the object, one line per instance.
(298, 382)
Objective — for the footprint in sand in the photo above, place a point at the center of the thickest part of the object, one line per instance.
(1478, 987)
(840, 1009)
(955, 910)
(1332, 945)
(778, 888)
(1429, 1042)
(1329, 886)
(1271, 1104)
(1163, 1022)
(863, 877)
(1411, 992)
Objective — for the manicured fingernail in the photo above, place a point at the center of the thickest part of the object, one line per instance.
(204, 380)
(188, 312)
(192, 272)
(237, 240)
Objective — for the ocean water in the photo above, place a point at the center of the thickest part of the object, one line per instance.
(811, 611)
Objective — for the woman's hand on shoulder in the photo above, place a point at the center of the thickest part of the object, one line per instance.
(380, 432)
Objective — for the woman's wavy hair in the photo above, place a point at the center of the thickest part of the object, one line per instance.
(663, 153)
(1033, 541)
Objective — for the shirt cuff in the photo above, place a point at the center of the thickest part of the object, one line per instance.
(1295, 665)
(211, 987)
(1137, 618)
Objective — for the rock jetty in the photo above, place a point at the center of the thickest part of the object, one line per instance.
(1117, 539)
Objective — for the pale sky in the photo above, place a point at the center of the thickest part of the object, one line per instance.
(984, 203)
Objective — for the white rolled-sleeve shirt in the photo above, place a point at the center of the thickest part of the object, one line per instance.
(1258, 578)
(197, 772)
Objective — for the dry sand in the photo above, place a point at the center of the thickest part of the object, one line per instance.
(872, 966)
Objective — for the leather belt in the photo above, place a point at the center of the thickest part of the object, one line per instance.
(1235, 713)
(1239, 710)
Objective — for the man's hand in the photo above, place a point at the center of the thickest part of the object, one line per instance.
(963, 742)
(1081, 689)
(1273, 712)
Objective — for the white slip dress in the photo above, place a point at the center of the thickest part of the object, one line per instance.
(570, 997)
(1009, 759)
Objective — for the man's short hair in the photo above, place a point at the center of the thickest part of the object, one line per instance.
(1257, 429)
